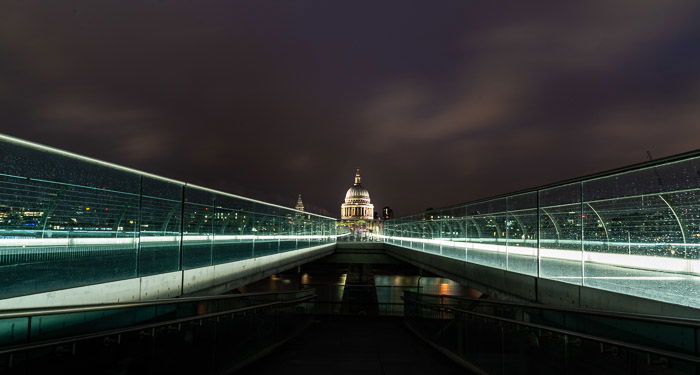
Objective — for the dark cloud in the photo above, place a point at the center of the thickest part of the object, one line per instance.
(438, 103)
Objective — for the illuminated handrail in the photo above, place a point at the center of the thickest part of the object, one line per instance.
(67, 221)
(606, 230)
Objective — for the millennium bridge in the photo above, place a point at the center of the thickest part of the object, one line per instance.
(98, 258)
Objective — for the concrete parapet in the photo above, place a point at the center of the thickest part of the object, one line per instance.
(198, 281)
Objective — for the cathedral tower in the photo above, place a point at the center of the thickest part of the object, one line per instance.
(357, 205)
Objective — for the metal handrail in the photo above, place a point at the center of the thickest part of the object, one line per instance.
(687, 322)
(22, 313)
(52, 150)
(141, 327)
(646, 349)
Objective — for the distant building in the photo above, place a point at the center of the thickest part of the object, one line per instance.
(300, 205)
(387, 213)
(357, 205)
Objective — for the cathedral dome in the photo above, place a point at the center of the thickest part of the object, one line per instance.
(357, 194)
(357, 204)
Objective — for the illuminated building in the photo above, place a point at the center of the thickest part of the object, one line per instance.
(300, 205)
(357, 205)
(387, 213)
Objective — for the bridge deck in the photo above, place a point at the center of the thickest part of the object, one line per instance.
(355, 345)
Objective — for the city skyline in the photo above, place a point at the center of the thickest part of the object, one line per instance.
(319, 186)
(435, 104)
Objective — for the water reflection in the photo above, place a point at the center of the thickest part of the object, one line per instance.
(432, 285)
(390, 288)
(382, 295)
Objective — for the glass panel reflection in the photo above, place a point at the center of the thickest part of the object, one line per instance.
(69, 221)
(636, 231)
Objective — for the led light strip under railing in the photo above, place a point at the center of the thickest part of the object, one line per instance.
(36, 242)
(646, 262)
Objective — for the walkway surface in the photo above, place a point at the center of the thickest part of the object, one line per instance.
(355, 345)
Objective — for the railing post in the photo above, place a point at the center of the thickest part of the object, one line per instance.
(566, 354)
(29, 329)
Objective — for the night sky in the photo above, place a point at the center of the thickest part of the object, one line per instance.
(438, 102)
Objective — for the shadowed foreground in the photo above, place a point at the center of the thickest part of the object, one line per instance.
(355, 345)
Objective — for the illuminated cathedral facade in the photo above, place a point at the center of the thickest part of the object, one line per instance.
(357, 205)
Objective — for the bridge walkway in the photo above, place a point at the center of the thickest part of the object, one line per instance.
(355, 345)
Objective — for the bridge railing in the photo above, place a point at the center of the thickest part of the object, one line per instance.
(507, 338)
(634, 230)
(68, 221)
(216, 334)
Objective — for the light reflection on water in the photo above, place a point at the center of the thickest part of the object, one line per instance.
(331, 289)
(390, 288)
(432, 285)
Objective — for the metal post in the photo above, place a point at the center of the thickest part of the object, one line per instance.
(583, 262)
(181, 266)
(138, 228)
(566, 354)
